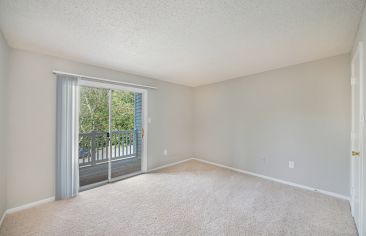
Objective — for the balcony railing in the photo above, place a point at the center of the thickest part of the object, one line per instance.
(94, 147)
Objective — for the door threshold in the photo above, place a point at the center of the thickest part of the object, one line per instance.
(95, 185)
(125, 176)
(91, 186)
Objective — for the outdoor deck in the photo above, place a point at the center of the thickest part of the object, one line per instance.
(96, 148)
(97, 173)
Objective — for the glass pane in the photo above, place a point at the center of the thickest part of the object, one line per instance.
(125, 130)
(93, 135)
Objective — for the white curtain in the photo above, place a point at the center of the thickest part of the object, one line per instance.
(67, 166)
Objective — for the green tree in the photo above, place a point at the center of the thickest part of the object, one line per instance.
(94, 114)
(123, 110)
(94, 110)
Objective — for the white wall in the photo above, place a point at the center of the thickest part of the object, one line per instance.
(32, 110)
(4, 54)
(361, 37)
(258, 123)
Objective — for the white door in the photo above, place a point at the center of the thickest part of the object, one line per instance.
(357, 136)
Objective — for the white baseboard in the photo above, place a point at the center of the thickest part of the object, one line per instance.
(276, 180)
(33, 204)
(29, 205)
(168, 165)
(257, 175)
(25, 206)
(2, 218)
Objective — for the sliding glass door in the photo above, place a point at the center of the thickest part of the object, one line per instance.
(93, 135)
(110, 134)
(125, 133)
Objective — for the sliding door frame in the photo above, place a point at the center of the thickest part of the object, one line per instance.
(111, 87)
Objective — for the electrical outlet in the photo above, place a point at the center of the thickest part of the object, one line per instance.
(165, 152)
(291, 164)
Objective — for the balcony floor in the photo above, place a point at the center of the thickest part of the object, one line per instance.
(94, 174)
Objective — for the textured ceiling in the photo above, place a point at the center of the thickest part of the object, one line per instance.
(191, 42)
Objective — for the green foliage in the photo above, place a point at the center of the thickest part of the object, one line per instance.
(123, 110)
(94, 110)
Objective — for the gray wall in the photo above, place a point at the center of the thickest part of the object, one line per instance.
(258, 123)
(4, 54)
(32, 94)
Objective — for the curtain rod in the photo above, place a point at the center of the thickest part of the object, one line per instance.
(103, 80)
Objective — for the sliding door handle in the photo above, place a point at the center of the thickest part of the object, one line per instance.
(355, 154)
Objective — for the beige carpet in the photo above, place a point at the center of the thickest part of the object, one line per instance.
(188, 199)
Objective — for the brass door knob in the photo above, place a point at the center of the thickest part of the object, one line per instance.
(355, 154)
